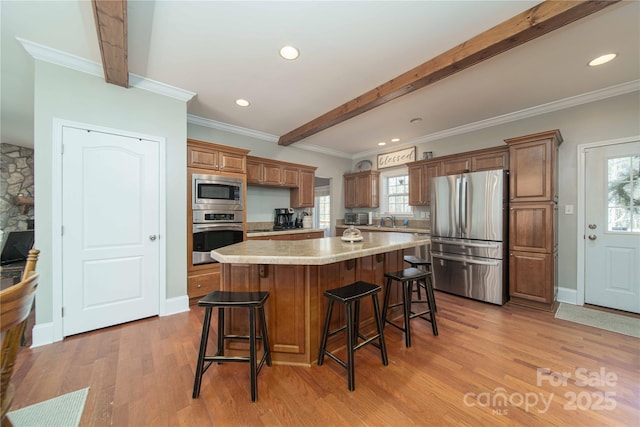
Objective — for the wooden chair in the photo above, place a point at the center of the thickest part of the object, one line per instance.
(15, 304)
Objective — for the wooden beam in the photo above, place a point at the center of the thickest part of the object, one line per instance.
(111, 25)
(533, 23)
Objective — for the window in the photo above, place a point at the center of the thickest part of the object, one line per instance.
(395, 194)
(623, 176)
(322, 208)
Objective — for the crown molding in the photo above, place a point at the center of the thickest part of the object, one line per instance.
(538, 110)
(214, 124)
(74, 62)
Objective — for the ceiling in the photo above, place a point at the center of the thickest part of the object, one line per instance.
(223, 50)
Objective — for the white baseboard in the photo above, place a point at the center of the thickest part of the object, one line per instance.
(42, 334)
(570, 296)
(175, 305)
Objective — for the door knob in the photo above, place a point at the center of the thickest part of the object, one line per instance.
(152, 237)
(593, 226)
(592, 237)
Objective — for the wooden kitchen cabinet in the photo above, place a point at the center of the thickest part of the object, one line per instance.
(254, 171)
(533, 227)
(455, 165)
(203, 282)
(490, 159)
(533, 165)
(303, 196)
(207, 155)
(291, 236)
(420, 175)
(533, 218)
(361, 189)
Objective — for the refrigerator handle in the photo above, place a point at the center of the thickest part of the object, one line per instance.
(463, 205)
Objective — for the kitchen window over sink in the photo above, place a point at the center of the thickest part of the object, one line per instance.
(395, 193)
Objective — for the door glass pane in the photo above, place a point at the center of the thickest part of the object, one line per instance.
(623, 176)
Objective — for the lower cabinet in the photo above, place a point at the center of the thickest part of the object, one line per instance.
(202, 282)
(532, 279)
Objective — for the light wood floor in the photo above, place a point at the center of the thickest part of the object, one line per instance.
(481, 370)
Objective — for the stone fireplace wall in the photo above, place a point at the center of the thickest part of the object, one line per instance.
(16, 173)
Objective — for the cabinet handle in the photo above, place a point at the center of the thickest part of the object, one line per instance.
(199, 285)
(511, 254)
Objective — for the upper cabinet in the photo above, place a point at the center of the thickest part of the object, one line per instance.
(207, 155)
(361, 189)
(272, 173)
(422, 171)
(533, 164)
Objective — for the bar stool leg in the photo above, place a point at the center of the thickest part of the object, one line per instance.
(220, 350)
(350, 338)
(325, 332)
(202, 352)
(385, 306)
(252, 354)
(406, 299)
(379, 325)
(265, 336)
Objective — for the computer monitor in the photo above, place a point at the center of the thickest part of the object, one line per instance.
(16, 246)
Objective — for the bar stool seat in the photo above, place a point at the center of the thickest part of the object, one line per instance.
(415, 262)
(406, 278)
(350, 296)
(254, 302)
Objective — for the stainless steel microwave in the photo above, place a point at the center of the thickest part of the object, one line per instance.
(216, 192)
(355, 218)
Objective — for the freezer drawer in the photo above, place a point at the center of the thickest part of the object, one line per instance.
(469, 248)
(477, 278)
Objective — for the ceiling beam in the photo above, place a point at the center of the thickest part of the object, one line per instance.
(533, 23)
(111, 25)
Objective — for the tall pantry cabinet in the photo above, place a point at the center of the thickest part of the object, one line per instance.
(533, 213)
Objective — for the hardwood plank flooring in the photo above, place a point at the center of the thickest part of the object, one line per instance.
(483, 369)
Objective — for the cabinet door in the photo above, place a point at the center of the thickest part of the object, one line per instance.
(430, 171)
(231, 162)
(350, 192)
(199, 285)
(456, 165)
(204, 159)
(254, 172)
(531, 227)
(416, 185)
(490, 160)
(271, 174)
(531, 276)
(531, 171)
(290, 176)
(304, 195)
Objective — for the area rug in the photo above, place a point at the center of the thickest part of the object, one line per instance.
(61, 411)
(599, 319)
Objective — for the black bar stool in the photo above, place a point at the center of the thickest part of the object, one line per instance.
(350, 296)
(253, 301)
(416, 262)
(407, 277)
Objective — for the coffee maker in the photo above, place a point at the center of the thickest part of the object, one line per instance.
(283, 219)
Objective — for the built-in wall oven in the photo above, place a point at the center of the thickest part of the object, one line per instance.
(213, 192)
(213, 229)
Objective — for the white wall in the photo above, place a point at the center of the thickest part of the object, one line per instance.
(70, 95)
(612, 118)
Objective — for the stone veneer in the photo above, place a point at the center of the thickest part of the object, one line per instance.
(16, 173)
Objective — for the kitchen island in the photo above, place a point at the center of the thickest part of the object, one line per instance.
(296, 274)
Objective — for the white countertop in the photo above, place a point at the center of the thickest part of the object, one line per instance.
(315, 251)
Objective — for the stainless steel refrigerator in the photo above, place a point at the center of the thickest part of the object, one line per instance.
(469, 235)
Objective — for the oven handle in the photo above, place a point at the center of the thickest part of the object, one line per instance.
(463, 259)
(211, 227)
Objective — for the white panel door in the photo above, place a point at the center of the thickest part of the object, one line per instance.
(612, 226)
(110, 251)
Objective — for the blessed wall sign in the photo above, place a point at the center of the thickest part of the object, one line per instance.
(396, 158)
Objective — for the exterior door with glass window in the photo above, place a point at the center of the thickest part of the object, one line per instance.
(612, 226)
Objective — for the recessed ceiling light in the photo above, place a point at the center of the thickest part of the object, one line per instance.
(289, 52)
(395, 140)
(415, 120)
(242, 102)
(382, 143)
(602, 59)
